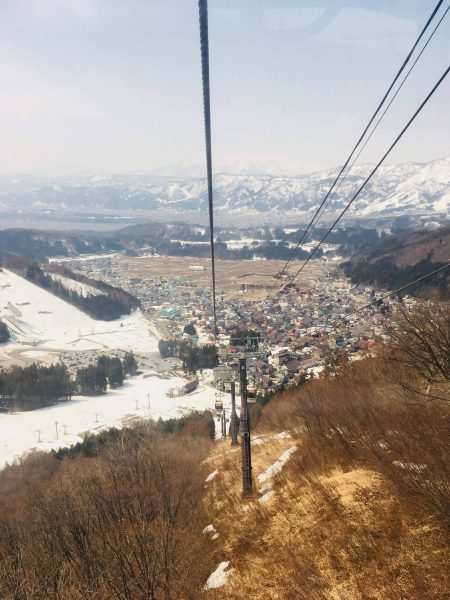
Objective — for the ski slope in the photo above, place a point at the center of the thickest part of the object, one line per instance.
(42, 325)
(140, 397)
(37, 318)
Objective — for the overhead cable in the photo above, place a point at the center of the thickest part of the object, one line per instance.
(374, 170)
(382, 115)
(400, 289)
(349, 158)
(204, 45)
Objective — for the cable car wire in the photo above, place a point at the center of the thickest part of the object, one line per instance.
(382, 115)
(204, 45)
(399, 72)
(400, 289)
(374, 170)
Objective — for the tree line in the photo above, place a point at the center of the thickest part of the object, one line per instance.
(4, 332)
(34, 244)
(192, 357)
(267, 250)
(94, 379)
(36, 386)
(27, 388)
(385, 273)
(111, 304)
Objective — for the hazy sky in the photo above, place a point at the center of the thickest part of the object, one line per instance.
(115, 84)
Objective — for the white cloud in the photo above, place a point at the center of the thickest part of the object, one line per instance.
(368, 28)
(289, 19)
(50, 9)
(228, 14)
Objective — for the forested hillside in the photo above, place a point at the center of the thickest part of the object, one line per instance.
(109, 304)
(119, 517)
(400, 258)
(39, 245)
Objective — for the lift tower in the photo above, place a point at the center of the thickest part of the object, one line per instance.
(233, 417)
(244, 431)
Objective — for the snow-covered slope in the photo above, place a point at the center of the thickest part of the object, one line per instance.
(406, 188)
(36, 318)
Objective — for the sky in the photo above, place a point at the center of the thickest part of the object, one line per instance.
(115, 86)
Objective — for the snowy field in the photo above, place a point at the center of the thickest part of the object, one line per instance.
(42, 326)
(76, 286)
(39, 320)
(139, 397)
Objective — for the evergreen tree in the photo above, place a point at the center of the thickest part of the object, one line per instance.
(4, 333)
(129, 364)
(115, 373)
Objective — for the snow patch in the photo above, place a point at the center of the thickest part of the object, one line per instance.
(257, 442)
(212, 475)
(209, 529)
(277, 466)
(20, 432)
(48, 322)
(266, 497)
(219, 577)
(283, 435)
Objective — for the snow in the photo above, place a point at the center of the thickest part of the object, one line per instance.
(36, 317)
(82, 257)
(19, 432)
(266, 497)
(76, 286)
(275, 468)
(395, 189)
(209, 529)
(283, 435)
(212, 475)
(218, 578)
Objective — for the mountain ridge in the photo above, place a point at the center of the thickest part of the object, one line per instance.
(407, 188)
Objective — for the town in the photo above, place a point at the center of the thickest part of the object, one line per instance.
(296, 325)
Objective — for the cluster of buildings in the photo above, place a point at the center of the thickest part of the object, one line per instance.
(296, 329)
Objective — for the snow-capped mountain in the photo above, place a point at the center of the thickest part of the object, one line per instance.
(410, 188)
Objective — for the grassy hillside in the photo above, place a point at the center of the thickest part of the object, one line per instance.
(360, 510)
(351, 495)
(400, 258)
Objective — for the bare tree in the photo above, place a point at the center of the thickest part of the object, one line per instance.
(420, 345)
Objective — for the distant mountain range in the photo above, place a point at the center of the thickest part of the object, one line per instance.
(405, 189)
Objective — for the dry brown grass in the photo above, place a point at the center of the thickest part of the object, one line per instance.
(360, 510)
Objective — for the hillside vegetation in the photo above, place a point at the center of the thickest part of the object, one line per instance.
(118, 519)
(400, 258)
(360, 511)
(351, 495)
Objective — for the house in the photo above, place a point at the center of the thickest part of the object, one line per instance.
(281, 358)
(292, 367)
(170, 313)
